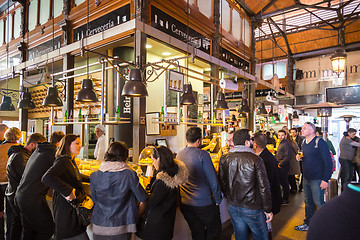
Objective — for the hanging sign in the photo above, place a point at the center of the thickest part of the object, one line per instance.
(45, 47)
(177, 29)
(234, 60)
(103, 23)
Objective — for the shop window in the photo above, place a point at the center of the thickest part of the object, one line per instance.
(44, 11)
(225, 15)
(78, 2)
(59, 5)
(246, 33)
(278, 68)
(8, 28)
(205, 8)
(1, 32)
(17, 23)
(236, 24)
(32, 14)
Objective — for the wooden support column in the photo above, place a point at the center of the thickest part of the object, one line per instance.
(110, 108)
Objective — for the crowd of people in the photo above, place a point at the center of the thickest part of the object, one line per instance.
(255, 182)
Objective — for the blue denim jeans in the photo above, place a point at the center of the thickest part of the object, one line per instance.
(313, 195)
(243, 218)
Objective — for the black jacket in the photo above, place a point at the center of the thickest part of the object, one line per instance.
(14, 170)
(243, 179)
(283, 154)
(159, 217)
(39, 162)
(273, 174)
(63, 176)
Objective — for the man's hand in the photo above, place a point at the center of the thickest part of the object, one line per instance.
(323, 185)
(298, 158)
(269, 217)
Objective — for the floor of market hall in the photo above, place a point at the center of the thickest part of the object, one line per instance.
(284, 222)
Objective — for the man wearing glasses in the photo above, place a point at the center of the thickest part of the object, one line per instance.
(317, 170)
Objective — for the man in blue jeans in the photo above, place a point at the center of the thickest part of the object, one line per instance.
(244, 182)
(317, 170)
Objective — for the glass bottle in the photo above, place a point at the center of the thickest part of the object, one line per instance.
(162, 114)
(117, 113)
(80, 115)
(181, 115)
(199, 117)
(66, 116)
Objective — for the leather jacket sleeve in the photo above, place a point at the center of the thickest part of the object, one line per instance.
(283, 155)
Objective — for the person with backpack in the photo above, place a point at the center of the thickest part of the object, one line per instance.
(317, 170)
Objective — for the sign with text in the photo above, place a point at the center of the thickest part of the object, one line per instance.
(103, 23)
(177, 29)
(45, 47)
(234, 60)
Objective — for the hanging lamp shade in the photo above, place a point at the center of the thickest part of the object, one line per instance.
(26, 101)
(52, 99)
(271, 113)
(6, 104)
(188, 98)
(338, 61)
(220, 103)
(242, 116)
(135, 86)
(233, 118)
(87, 93)
(262, 110)
(244, 106)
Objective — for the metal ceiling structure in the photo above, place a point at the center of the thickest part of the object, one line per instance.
(303, 28)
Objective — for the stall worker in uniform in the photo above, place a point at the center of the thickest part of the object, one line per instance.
(100, 147)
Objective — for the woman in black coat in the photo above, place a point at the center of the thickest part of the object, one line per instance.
(161, 206)
(64, 178)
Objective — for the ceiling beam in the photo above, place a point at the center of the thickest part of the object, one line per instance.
(246, 8)
(326, 51)
(284, 36)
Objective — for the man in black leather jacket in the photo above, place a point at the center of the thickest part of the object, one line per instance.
(245, 184)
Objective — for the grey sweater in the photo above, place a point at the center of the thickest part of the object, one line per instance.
(347, 151)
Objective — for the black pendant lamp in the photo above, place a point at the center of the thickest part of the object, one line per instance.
(244, 107)
(242, 116)
(52, 99)
(87, 93)
(26, 101)
(262, 110)
(6, 104)
(134, 87)
(220, 103)
(187, 98)
(295, 115)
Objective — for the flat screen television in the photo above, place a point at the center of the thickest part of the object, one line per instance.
(161, 142)
(343, 95)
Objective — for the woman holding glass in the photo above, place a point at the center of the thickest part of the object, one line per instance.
(161, 207)
(64, 177)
